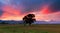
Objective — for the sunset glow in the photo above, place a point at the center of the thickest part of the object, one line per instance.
(17, 9)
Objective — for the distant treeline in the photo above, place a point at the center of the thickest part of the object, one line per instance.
(10, 22)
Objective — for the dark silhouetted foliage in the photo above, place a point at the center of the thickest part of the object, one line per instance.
(29, 19)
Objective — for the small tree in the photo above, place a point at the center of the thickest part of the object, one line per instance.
(29, 19)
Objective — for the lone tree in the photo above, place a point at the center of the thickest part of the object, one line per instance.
(29, 19)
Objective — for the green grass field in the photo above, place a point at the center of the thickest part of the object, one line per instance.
(18, 28)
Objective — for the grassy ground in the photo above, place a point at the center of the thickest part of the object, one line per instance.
(6, 28)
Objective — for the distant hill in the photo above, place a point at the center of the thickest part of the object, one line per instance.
(21, 22)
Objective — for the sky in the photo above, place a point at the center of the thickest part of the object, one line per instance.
(46, 10)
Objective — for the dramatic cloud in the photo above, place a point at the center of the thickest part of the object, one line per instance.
(54, 7)
(11, 9)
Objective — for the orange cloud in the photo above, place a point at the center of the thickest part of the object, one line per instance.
(11, 10)
(45, 10)
(11, 13)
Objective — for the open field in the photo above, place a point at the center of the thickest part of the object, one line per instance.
(18, 28)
